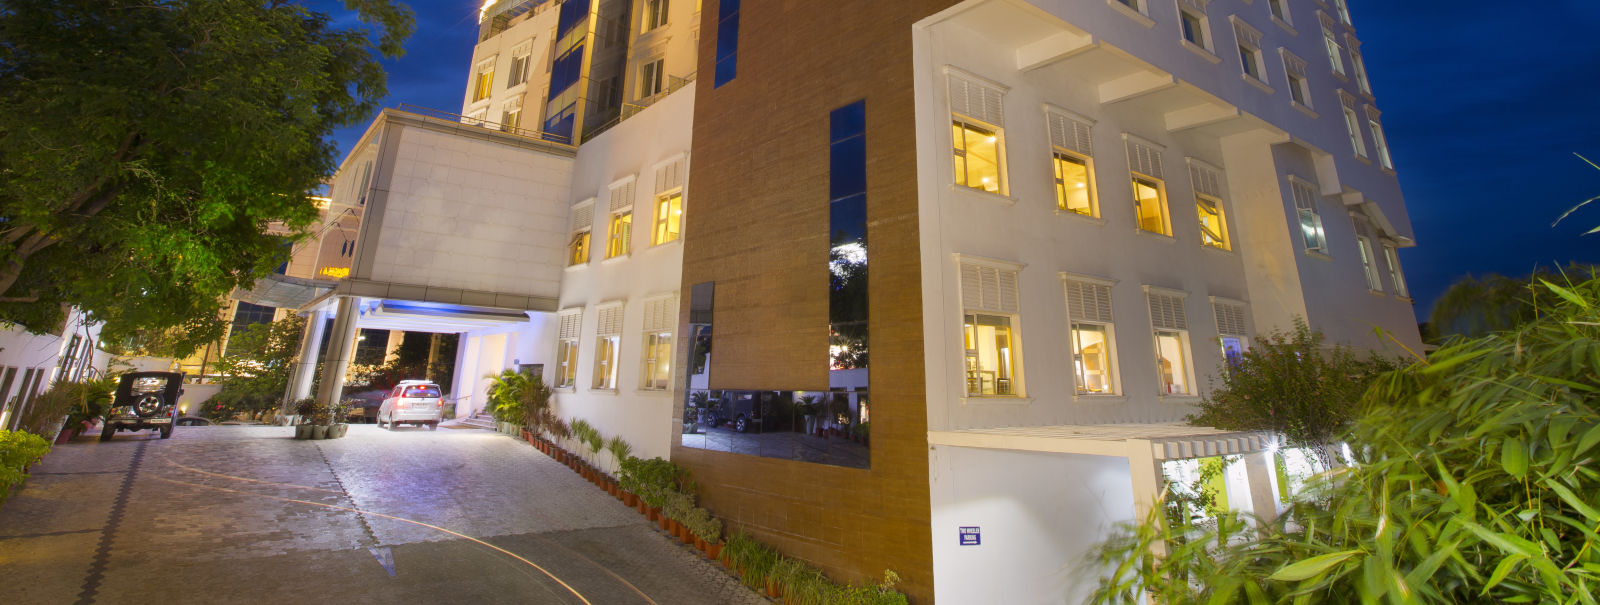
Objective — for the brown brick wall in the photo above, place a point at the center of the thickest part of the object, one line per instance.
(757, 225)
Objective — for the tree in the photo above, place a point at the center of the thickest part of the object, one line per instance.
(255, 372)
(145, 145)
(1475, 482)
(1474, 307)
(1290, 384)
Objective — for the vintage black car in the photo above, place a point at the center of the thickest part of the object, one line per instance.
(144, 400)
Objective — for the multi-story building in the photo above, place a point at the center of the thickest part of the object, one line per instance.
(31, 362)
(944, 278)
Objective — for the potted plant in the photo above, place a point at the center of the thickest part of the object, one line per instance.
(619, 450)
(783, 576)
(304, 409)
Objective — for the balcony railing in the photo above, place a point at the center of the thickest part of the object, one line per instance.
(527, 133)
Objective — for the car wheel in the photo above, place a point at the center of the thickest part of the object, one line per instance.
(106, 432)
(433, 426)
(166, 432)
(741, 425)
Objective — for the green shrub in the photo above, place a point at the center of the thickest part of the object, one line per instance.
(652, 480)
(18, 450)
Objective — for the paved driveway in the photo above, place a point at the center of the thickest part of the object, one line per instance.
(230, 514)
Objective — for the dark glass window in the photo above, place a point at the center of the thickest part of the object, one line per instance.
(573, 12)
(727, 41)
(246, 315)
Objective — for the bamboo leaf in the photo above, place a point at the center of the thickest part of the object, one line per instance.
(1296, 572)
(1588, 440)
(1514, 457)
(1506, 566)
(1565, 293)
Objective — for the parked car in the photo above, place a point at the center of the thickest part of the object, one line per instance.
(144, 400)
(193, 421)
(417, 402)
(365, 404)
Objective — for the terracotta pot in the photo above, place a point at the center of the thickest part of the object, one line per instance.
(772, 587)
(66, 435)
(628, 498)
(714, 550)
(648, 512)
(665, 523)
(700, 544)
(686, 536)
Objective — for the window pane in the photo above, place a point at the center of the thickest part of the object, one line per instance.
(605, 363)
(1091, 346)
(1170, 363)
(668, 219)
(1193, 29)
(977, 158)
(567, 358)
(988, 355)
(1232, 350)
(621, 235)
(1072, 185)
(1248, 58)
(658, 352)
(1213, 231)
(1310, 230)
(1147, 204)
(578, 250)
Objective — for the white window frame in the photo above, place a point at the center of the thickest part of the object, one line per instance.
(660, 324)
(608, 345)
(582, 223)
(1278, 11)
(568, 334)
(1397, 276)
(1177, 323)
(1081, 312)
(521, 61)
(1145, 165)
(659, 13)
(979, 103)
(1195, 10)
(1232, 319)
(972, 275)
(511, 114)
(1307, 197)
(1208, 183)
(1369, 256)
(671, 175)
(482, 89)
(1248, 39)
(1335, 50)
(1379, 141)
(1358, 66)
(1352, 124)
(652, 77)
(621, 193)
(1138, 10)
(1294, 73)
(1072, 136)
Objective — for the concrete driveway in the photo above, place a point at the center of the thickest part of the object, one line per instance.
(241, 514)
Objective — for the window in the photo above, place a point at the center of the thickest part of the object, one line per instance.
(1352, 124)
(1149, 191)
(650, 77)
(619, 234)
(1133, 4)
(1279, 11)
(1358, 66)
(1369, 260)
(69, 359)
(727, 42)
(519, 64)
(582, 223)
(484, 81)
(989, 303)
(1171, 325)
(1344, 10)
(1332, 43)
(567, 348)
(1208, 204)
(1089, 310)
(1192, 24)
(655, 15)
(1378, 141)
(660, 317)
(1231, 329)
(1305, 202)
(1396, 277)
(666, 223)
(608, 335)
(1250, 61)
(511, 116)
(1295, 71)
(1072, 159)
(977, 130)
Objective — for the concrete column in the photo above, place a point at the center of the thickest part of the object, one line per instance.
(1264, 499)
(341, 344)
(1148, 481)
(395, 338)
(305, 368)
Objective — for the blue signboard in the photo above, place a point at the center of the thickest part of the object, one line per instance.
(971, 536)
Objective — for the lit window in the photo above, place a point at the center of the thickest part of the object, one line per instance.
(655, 15)
(650, 77)
(511, 117)
(977, 121)
(1150, 205)
(1213, 229)
(1305, 202)
(483, 83)
(605, 362)
(989, 302)
(727, 43)
(1395, 275)
(1089, 309)
(1382, 144)
(1332, 44)
(1193, 27)
(1369, 260)
(668, 221)
(620, 240)
(1073, 193)
(657, 360)
(578, 244)
(578, 249)
(1231, 329)
(567, 349)
(1171, 325)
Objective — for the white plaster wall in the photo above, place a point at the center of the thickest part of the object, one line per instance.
(468, 213)
(676, 44)
(21, 351)
(1039, 515)
(635, 147)
(537, 28)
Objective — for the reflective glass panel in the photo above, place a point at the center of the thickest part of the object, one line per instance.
(1072, 185)
(1171, 363)
(1148, 206)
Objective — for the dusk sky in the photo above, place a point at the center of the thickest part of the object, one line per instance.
(1485, 105)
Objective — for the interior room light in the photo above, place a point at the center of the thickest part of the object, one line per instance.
(991, 140)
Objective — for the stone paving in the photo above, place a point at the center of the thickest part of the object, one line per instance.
(235, 514)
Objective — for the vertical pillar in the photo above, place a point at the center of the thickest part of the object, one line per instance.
(1258, 471)
(341, 344)
(434, 342)
(395, 338)
(1146, 474)
(305, 368)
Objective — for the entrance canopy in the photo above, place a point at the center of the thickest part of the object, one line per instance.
(1160, 441)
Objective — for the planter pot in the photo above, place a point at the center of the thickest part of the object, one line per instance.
(772, 588)
(66, 435)
(319, 432)
(629, 499)
(665, 523)
(338, 430)
(714, 550)
(700, 544)
(648, 512)
(686, 536)
(302, 431)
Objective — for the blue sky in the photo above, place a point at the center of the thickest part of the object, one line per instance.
(1484, 104)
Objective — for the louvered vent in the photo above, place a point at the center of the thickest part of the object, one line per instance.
(988, 289)
(583, 217)
(1230, 318)
(1145, 159)
(569, 324)
(610, 321)
(1166, 312)
(622, 196)
(659, 315)
(670, 176)
(1088, 301)
(1070, 134)
(1206, 181)
(976, 100)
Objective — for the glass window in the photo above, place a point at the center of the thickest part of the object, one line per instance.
(655, 15)
(668, 219)
(989, 357)
(727, 42)
(519, 64)
(1333, 51)
(512, 116)
(1361, 71)
(1073, 192)
(1381, 144)
(1194, 28)
(1133, 4)
(1278, 10)
(650, 78)
(1251, 63)
(484, 82)
(1172, 362)
(620, 240)
(1150, 205)
(1297, 90)
(1352, 124)
(567, 362)
(1213, 225)
(1305, 201)
(578, 250)
(605, 362)
(1395, 275)
(977, 156)
(1369, 264)
(657, 360)
(1233, 349)
(1091, 358)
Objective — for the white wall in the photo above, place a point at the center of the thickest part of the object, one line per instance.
(21, 351)
(1039, 514)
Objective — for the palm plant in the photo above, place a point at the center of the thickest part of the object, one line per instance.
(620, 450)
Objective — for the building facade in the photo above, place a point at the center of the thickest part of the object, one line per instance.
(929, 291)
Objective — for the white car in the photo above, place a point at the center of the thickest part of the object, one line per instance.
(412, 402)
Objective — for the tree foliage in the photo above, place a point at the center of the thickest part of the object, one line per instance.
(1477, 481)
(1479, 306)
(255, 372)
(145, 145)
(1290, 384)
